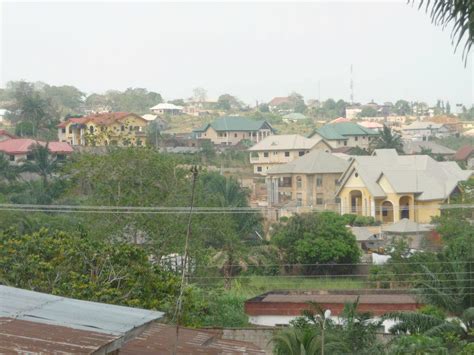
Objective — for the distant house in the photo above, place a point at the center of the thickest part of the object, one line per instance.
(19, 149)
(111, 128)
(3, 119)
(340, 119)
(352, 112)
(413, 233)
(423, 131)
(389, 187)
(280, 149)
(4, 135)
(231, 130)
(465, 155)
(345, 134)
(309, 181)
(294, 117)
(278, 103)
(417, 147)
(167, 109)
(372, 125)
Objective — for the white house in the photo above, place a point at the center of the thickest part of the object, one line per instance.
(166, 108)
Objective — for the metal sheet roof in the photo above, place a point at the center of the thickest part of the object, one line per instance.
(93, 316)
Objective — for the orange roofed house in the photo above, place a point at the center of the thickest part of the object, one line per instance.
(110, 128)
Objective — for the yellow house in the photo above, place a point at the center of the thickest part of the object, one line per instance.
(110, 128)
(390, 187)
(281, 149)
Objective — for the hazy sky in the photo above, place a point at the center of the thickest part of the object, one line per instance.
(252, 50)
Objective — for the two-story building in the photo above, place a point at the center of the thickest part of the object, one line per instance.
(423, 131)
(390, 187)
(309, 181)
(110, 128)
(231, 130)
(345, 134)
(281, 149)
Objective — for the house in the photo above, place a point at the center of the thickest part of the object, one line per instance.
(294, 117)
(167, 109)
(278, 104)
(389, 187)
(309, 181)
(4, 135)
(19, 149)
(340, 119)
(281, 149)
(110, 128)
(368, 238)
(345, 134)
(423, 131)
(465, 155)
(231, 130)
(3, 117)
(417, 147)
(352, 112)
(40, 323)
(413, 233)
(376, 126)
(278, 308)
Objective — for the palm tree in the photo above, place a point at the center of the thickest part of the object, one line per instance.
(417, 345)
(388, 140)
(42, 163)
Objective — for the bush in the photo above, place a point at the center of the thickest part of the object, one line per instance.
(361, 221)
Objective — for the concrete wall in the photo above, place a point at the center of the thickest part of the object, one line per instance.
(262, 337)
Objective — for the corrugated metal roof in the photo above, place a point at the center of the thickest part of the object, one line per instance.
(343, 130)
(77, 314)
(235, 123)
(160, 339)
(406, 226)
(285, 142)
(24, 337)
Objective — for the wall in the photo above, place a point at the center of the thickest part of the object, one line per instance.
(233, 137)
(262, 337)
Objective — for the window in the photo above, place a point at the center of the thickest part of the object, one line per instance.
(130, 128)
(29, 157)
(319, 199)
(70, 129)
(254, 155)
(301, 153)
(139, 142)
(299, 199)
(275, 153)
(259, 169)
(12, 158)
(122, 128)
(356, 139)
(91, 129)
(287, 154)
(265, 154)
(299, 182)
(137, 128)
(337, 182)
(319, 180)
(250, 134)
(235, 135)
(63, 130)
(345, 143)
(337, 200)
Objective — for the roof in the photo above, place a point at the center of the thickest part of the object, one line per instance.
(342, 130)
(421, 175)
(412, 147)
(315, 162)
(27, 337)
(464, 152)
(160, 339)
(23, 146)
(407, 226)
(67, 312)
(105, 118)
(276, 101)
(340, 298)
(285, 142)
(362, 233)
(340, 119)
(295, 116)
(235, 123)
(469, 133)
(166, 106)
(370, 124)
(423, 125)
(149, 117)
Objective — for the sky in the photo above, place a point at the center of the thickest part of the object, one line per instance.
(253, 50)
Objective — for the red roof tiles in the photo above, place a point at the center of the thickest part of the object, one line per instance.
(276, 101)
(464, 152)
(99, 118)
(23, 146)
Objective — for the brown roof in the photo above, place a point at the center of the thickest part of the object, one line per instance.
(276, 101)
(20, 336)
(464, 152)
(24, 145)
(344, 298)
(6, 133)
(100, 118)
(160, 339)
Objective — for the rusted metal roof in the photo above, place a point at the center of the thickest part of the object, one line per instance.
(160, 339)
(20, 336)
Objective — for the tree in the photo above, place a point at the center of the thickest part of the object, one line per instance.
(403, 108)
(368, 112)
(448, 108)
(8, 171)
(263, 108)
(297, 102)
(387, 140)
(42, 163)
(66, 98)
(199, 94)
(153, 132)
(228, 102)
(459, 14)
(136, 100)
(316, 238)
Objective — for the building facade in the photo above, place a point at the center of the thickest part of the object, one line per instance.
(423, 131)
(346, 134)
(390, 187)
(111, 128)
(280, 149)
(231, 130)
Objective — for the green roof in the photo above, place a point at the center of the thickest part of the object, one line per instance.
(343, 129)
(235, 123)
